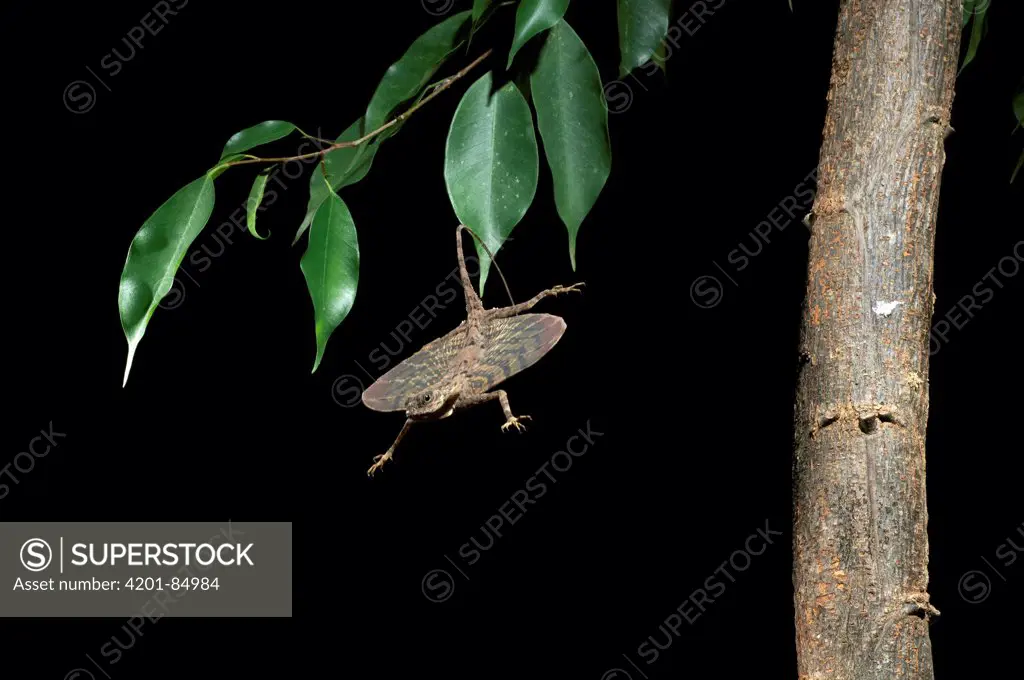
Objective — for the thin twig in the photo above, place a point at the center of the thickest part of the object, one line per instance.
(309, 136)
(440, 87)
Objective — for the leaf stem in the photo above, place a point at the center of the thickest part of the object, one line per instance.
(441, 86)
(309, 136)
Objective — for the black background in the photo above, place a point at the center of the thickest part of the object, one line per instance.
(222, 419)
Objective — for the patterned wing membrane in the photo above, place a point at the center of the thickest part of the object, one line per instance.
(415, 374)
(514, 344)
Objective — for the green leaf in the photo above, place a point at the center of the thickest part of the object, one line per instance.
(222, 165)
(331, 268)
(978, 29)
(491, 163)
(253, 204)
(264, 133)
(479, 7)
(344, 167)
(968, 12)
(533, 17)
(406, 77)
(642, 25)
(155, 254)
(573, 122)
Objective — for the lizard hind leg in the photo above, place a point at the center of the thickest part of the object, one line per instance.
(514, 310)
(378, 461)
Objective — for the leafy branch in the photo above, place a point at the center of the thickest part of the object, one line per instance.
(432, 90)
(491, 164)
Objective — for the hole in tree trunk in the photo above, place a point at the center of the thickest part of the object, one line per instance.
(869, 425)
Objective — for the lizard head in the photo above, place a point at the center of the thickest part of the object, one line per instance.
(432, 403)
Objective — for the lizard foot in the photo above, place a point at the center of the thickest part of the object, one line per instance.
(574, 288)
(516, 422)
(378, 462)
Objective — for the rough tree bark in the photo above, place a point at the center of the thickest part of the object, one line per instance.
(860, 534)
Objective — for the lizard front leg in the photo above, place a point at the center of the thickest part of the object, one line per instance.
(513, 310)
(378, 461)
(502, 397)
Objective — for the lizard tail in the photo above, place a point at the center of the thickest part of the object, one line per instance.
(462, 263)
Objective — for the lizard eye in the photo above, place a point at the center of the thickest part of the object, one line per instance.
(425, 398)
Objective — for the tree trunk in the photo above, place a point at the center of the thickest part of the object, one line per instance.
(860, 521)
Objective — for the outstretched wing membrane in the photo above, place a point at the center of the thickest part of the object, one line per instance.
(514, 344)
(415, 374)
